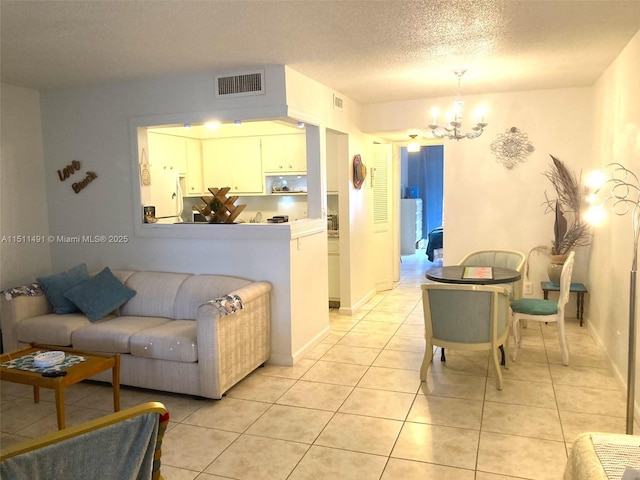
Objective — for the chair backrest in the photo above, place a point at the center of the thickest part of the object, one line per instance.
(125, 444)
(465, 314)
(565, 283)
(498, 258)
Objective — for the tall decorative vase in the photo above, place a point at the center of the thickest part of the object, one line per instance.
(554, 269)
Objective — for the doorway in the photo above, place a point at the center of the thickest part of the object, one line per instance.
(422, 179)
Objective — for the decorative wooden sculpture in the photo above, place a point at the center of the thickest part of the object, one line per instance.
(219, 208)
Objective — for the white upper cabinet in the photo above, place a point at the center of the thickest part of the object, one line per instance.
(168, 151)
(233, 162)
(284, 153)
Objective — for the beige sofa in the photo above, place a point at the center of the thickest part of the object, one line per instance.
(173, 335)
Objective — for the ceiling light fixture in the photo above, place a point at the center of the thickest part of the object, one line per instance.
(300, 124)
(453, 127)
(413, 146)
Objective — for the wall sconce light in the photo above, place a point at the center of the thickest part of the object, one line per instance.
(622, 190)
(413, 146)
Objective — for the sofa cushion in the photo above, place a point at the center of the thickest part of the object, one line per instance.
(156, 294)
(175, 341)
(55, 286)
(199, 289)
(100, 296)
(112, 335)
(50, 329)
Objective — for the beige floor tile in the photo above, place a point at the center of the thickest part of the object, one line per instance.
(411, 330)
(295, 371)
(389, 316)
(407, 344)
(342, 323)
(493, 476)
(453, 385)
(449, 412)
(522, 370)
(455, 447)
(230, 414)
(416, 317)
(522, 392)
(291, 423)
(192, 447)
(74, 415)
(360, 434)
(584, 377)
(575, 423)
(261, 388)
(173, 473)
(584, 358)
(320, 396)
(522, 420)
(334, 337)
(252, 458)
(399, 359)
(530, 458)
(22, 412)
(530, 353)
(102, 398)
(318, 351)
(354, 355)
(322, 463)
(398, 469)
(336, 373)
(369, 340)
(391, 379)
(378, 403)
(181, 406)
(380, 328)
(591, 400)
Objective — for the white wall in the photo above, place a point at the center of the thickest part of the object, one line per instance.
(617, 139)
(23, 198)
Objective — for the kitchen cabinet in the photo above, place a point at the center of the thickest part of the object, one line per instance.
(234, 163)
(410, 225)
(194, 167)
(284, 153)
(333, 247)
(168, 151)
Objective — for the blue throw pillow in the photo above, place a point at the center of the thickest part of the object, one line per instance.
(100, 296)
(55, 286)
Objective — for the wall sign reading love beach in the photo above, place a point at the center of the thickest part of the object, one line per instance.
(71, 169)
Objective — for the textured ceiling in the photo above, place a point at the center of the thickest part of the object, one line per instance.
(371, 51)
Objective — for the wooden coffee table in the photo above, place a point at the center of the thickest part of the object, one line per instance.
(94, 363)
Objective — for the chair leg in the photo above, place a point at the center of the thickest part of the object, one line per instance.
(516, 338)
(426, 361)
(442, 357)
(564, 347)
(496, 366)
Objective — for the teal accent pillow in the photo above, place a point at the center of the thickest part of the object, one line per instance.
(55, 286)
(100, 295)
(534, 306)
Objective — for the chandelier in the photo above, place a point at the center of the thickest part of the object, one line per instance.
(453, 128)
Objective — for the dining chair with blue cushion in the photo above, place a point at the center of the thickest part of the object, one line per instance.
(547, 311)
(465, 317)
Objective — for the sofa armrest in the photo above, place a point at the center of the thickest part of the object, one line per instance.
(15, 310)
(232, 346)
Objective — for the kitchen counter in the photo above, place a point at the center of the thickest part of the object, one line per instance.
(239, 231)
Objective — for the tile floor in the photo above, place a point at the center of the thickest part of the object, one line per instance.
(355, 407)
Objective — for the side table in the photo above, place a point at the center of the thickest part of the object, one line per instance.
(579, 288)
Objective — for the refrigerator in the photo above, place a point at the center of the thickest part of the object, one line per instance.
(165, 194)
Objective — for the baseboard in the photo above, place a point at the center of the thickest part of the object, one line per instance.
(290, 360)
(354, 308)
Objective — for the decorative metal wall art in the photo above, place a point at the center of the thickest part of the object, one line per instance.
(511, 147)
(359, 171)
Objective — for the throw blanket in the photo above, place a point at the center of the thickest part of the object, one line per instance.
(31, 290)
(227, 304)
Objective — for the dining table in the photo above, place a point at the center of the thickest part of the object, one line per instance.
(473, 275)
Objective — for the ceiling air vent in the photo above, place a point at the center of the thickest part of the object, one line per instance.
(337, 102)
(245, 83)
